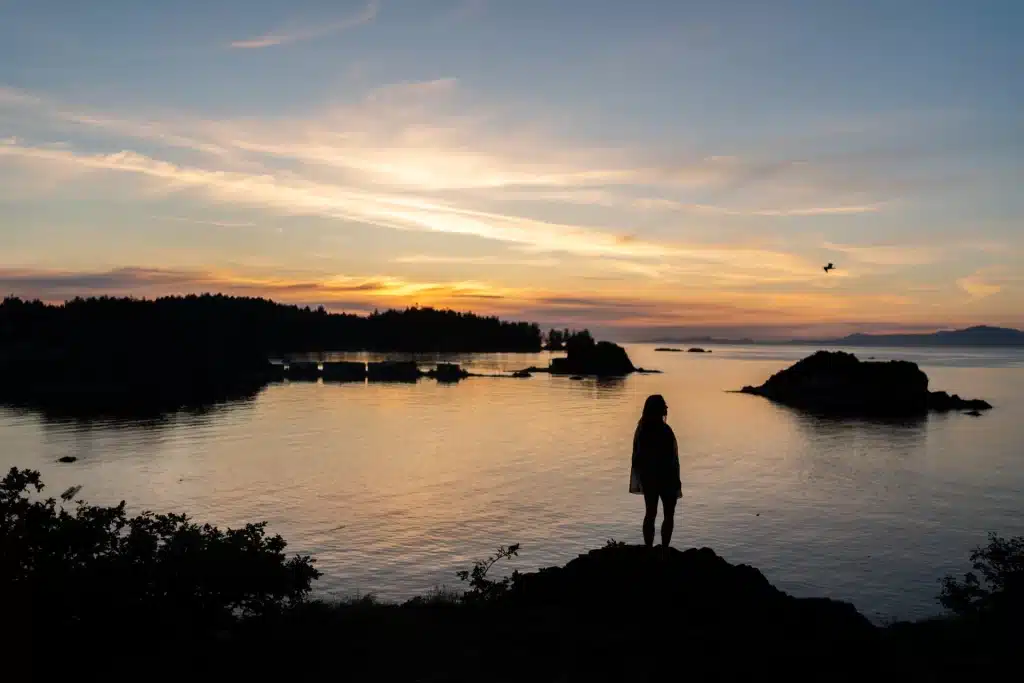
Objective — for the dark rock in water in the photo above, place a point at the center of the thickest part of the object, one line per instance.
(344, 372)
(303, 370)
(666, 349)
(695, 589)
(697, 349)
(522, 374)
(940, 401)
(393, 371)
(448, 372)
(585, 357)
(275, 372)
(834, 382)
(576, 378)
(67, 459)
(973, 413)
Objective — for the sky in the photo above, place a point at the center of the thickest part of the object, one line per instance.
(641, 168)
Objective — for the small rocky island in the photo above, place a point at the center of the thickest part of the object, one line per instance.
(839, 383)
(586, 357)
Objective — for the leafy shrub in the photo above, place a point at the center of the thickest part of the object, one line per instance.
(483, 589)
(96, 564)
(996, 586)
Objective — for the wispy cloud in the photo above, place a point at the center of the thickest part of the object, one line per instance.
(340, 290)
(624, 308)
(15, 97)
(198, 221)
(891, 254)
(294, 34)
(475, 261)
(415, 156)
(708, 209)
(989, 281)
(294, 195)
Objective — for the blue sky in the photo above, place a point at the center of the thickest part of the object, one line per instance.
(671, 165)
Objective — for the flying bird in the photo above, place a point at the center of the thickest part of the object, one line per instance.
(829, 267)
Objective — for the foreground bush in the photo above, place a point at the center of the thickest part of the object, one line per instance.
(994, 591)
(96, 564)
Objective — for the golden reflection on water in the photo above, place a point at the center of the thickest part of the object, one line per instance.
(393, 487)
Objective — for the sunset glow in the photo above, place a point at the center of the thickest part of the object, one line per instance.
(682, 166)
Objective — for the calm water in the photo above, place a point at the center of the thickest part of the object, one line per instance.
(395, 487)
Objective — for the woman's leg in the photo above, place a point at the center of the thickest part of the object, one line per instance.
(651, 513)
(669, 503)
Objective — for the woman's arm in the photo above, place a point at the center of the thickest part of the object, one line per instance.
(636, 444)
(675, 457)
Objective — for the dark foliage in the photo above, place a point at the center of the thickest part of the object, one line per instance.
(483, 589)
(556, 340)
(95, 566)
(100, 594)
(995, 589)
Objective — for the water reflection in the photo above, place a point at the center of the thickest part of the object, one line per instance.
(137, 413)
(394, 487)
(134, 419)
(831, 426)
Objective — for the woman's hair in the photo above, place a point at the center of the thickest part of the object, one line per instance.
(655, 408)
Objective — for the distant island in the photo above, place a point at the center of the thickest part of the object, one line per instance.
(103, 355)
(978, 336)
(708, 341)
(981, 335)
(839, 383)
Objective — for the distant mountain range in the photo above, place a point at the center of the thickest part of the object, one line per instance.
(982, 335)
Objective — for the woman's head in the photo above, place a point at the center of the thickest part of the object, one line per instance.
(655, 408)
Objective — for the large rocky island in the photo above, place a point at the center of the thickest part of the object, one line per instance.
(835, 382)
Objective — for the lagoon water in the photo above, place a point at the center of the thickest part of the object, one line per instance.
(395, 487)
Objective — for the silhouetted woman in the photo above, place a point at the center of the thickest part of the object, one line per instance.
(655, 470)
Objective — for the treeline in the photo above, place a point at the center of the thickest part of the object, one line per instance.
(245, 323)
(111, 355)
(560, 340)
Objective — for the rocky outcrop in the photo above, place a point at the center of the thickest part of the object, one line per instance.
(697, 349)
(303, 371)
(344, 371)
(585, 357)
(448, 372)
(697, 589)
(393, 371)
(940, 401)
(834, 382)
